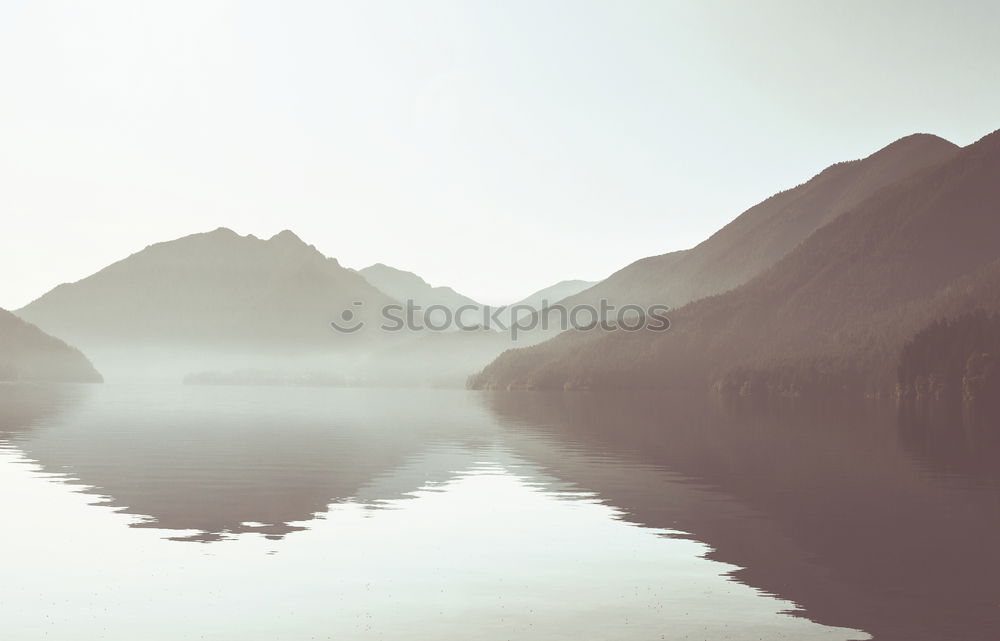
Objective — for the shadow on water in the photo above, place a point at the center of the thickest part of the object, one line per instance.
(867, 521)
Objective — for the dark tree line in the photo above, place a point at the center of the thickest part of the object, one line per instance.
(953, 360)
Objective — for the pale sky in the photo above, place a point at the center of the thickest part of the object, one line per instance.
(496, 147)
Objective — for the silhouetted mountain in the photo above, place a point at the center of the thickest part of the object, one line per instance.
(766, 232)
(833, 314)
(179, 306)
(29, 354)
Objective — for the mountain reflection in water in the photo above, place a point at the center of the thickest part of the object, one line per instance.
(864, 522)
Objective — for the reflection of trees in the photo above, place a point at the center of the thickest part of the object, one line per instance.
(825, 511)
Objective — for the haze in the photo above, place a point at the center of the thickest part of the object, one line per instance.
(494, 147)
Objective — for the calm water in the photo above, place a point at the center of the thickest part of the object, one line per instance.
(148, 512)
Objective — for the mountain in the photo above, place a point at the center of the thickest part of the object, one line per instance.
(447, 358)
(29, 354)
(766, 232)
(406, 286)
(218, 307)
(832, 314)
(554, 294)
(548, 297)
(212, 300)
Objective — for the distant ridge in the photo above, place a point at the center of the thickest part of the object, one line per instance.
(216, 287)
(546, 297)
(403, 285)
(177, 305)
(554, 293)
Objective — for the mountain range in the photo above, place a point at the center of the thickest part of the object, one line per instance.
(222, 307)
(407, 286)
(816, 288)
(763, 234)
(214, 300)
(881, 257)
(215, 288)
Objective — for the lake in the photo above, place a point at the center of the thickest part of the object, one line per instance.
(187, 512)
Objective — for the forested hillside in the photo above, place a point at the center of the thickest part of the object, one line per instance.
(763, 234)
(830, 317)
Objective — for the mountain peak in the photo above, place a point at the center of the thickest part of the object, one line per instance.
(286, 236)
(915, 144)
(921, 136)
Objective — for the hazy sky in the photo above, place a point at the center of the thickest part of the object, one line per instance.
(496, 147)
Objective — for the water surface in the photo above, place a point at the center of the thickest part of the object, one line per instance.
(178, 512)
